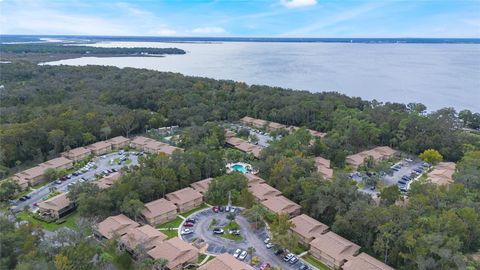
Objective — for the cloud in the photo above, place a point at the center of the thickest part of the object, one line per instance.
(298, 3)
(164, 32)
(208, 30)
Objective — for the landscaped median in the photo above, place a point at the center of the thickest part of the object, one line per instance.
(315, 263)
(231, 226)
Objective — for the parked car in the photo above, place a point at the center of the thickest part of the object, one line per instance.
(27, 197)
(304, 267)
(186, 231)
(222, 209)
(237, 253)
(188, 224)
(278, 252)
(288, 257)
(269, 245)
(215, 209)
(243, 255)
(218, 231)
(402, 182)
(191, 220)
(293, 260)
(264, 266)
(58, 182)
(266, 241)
(22, 199)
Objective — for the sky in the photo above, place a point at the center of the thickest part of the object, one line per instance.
(243, 18)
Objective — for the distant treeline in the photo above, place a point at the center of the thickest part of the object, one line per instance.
(47, 109)
(62, 49)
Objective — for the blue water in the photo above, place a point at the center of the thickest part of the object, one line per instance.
(239, 168)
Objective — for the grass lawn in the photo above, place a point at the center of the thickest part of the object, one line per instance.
(70, 221)
(171, 224)
(315, 263)
(170, 233)
(188, 213)
(201, 257)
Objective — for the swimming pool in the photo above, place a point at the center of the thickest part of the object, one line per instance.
(239, 168)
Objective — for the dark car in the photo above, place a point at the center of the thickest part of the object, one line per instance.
(402, 183)
(215, 209)
(191, 220)
(278, 252)
(22, 199)
(27, 197)
(188, 224)
(222, 208)
(303, 267)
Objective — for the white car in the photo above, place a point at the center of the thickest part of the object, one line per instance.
(269, 245)
(266, 241)
(243, 255)
(186, 231)
(237, 253)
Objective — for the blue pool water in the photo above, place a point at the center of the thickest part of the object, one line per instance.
(239, 168)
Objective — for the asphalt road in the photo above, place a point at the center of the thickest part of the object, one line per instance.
(39, 194)
(251, 238)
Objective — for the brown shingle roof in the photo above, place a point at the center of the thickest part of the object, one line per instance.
(263, 191)
(145, 235)
(175, 251)
(55, 203)
(442, 173)
(308, 227)
(115, 225)
(118, 139)
(323, 167)
(77, 151)
(182, 196)
(244, 146)
(158, 207)
(225, 262)
(202, 185)
(335, 246)
(365, 262)
(377, 153)
(281, 204)
(253, 179)
(56, 162)
(108, 181)
(99, 145)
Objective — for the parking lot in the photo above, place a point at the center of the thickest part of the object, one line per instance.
(102, 163)
(403, 169)
(263, 137)
(251, 238)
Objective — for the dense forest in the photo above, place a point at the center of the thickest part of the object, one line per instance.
(76, 49)
(48, 109)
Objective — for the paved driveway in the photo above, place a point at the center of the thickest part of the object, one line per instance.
(101, 163)
(251, 238)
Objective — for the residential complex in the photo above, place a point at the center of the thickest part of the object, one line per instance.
(225, 262)
(202, 185)
(263, 191)
(244, 146)
(177, 252)
(332, 249)
(323, 167)
(77, 154)
(377, 153)
(153, 146)
(442, 173)
(114, 226)
(159, 211)
(364, 261)
(280, 204)
(57, 206)
(185, 199)
(307, 228)
(145, 237)
(35, 175)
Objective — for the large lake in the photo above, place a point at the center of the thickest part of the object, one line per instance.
(437, 75)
